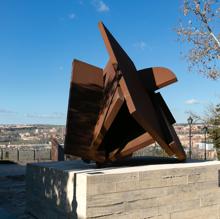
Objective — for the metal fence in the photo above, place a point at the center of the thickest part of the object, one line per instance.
(25, 155)
(155, 150)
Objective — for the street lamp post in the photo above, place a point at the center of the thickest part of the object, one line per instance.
(190, 121)
(205, 129)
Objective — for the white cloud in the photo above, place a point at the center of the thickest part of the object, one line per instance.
(140, 45)
(71, 16)
(46, 116)
(100, 6)
(192, 101)
(6, 111)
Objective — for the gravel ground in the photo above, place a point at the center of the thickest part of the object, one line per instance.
(12, 191)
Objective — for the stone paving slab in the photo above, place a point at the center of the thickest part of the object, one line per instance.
(12, 169)
(6, 215)
(12, 191)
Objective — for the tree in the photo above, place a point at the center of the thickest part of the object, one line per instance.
(211, 119)
(215, 130)
(200, 28)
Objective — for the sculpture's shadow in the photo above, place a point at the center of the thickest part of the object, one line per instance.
(146, 160)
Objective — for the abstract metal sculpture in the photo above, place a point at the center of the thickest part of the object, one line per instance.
(115, 111)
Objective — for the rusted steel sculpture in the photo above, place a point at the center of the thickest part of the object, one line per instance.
(115, 111)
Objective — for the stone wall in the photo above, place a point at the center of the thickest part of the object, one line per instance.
(24, 155)
(170, 191)
(9, 154)
(50, 189)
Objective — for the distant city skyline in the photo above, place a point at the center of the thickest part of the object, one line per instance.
(39, 40)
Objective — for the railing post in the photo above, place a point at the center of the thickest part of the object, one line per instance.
(17, 154)
(34, 154)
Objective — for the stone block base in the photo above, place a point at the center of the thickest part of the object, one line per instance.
(72, 189)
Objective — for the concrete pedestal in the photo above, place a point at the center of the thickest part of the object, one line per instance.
(72, 189)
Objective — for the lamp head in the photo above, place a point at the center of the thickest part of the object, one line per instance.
(190, 120)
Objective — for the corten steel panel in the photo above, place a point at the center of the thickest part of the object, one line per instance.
(156, 78)
(112, 102)
(163, 105)
(57, 153)
(115, 111)
(132, 146)
(138, 101)
(86, 94)
(54, 150)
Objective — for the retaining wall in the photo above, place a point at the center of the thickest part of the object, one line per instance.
(72, 189)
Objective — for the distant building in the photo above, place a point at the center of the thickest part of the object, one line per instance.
(197, 140)
(202, 146)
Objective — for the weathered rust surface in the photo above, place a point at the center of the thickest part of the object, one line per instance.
(86, 94)
(156, 78)
(115, 111)
(57, 153)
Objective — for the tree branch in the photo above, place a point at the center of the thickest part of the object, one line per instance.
(205, 21)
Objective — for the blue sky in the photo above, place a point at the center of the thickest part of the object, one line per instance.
(39, 40)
